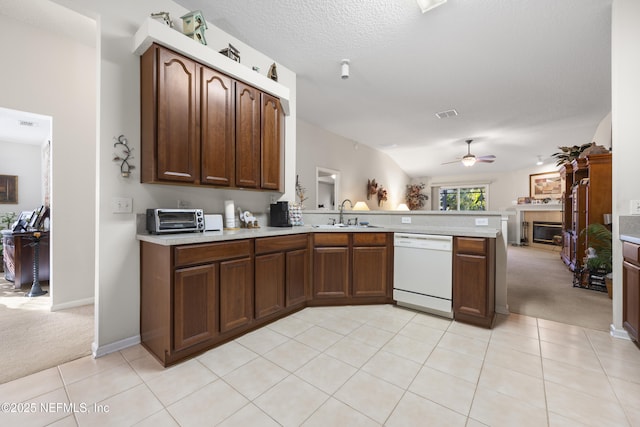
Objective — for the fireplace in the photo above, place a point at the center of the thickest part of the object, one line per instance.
(544, 231)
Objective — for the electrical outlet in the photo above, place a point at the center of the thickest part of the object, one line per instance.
(122, 205)
(183, 204)
(274, 198)
(635, 207)
(406, 220)
(482, 221)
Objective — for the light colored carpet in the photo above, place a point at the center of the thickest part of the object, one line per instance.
(539, 285)
(33, 338)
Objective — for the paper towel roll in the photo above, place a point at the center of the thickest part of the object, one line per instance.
(229, 214)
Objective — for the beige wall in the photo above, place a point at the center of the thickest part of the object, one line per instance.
(357, 163)
(52, 74)
(625, 110)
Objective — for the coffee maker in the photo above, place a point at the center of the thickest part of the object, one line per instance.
(279, 215)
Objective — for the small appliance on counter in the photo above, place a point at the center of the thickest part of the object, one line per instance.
(160, 221)
(213, 222)
(279, 215)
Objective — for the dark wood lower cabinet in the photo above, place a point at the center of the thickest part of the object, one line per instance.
(270, 284)
(474, 280)
(196, 296)
(331, 272)
(352, 268)
(297, 276)
(236, 294)
(631, 289)
(195, 300)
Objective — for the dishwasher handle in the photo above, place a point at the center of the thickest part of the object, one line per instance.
(424, 241)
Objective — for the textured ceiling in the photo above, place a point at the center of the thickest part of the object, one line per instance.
(525, 75)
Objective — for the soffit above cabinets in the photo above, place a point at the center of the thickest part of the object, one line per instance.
(152, 31)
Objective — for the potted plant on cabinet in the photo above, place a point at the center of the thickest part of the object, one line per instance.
(600, 262)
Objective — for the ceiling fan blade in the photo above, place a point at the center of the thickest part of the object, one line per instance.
(448, 163)
(488, 157)
(485, 160)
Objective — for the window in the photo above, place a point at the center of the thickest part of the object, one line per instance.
(463, 198)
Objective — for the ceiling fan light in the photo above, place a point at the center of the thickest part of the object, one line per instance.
(427, 5)
(469, 160)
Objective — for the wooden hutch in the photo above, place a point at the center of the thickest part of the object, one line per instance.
(586, 197)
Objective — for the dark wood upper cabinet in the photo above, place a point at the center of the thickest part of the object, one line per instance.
(247, 136)
(176, 145)
(272, 144)
(202, 127)
(217, 128)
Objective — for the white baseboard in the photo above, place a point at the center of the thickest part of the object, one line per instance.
(114, 346)
(618, 333)
(72, 304)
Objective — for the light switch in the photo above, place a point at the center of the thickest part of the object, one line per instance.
(406, 220)
(635, 207)
(122, 205)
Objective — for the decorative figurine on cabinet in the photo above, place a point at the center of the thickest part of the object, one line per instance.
(273, 73)
(193, 25)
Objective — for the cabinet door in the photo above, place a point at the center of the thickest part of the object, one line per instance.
(331, 272)
(217, 130)
(470, 294)
(631, 299)
(236, 293)
(272, 138)
(194, 305)
(177, 148)
(270, 282)
(297, 276)
(370, 271)
(247, 136)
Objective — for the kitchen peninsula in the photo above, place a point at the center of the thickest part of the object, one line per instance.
(199, 290)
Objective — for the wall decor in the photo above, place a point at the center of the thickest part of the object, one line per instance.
(9, 189)
(273, 73)
(414, 197)
(372, 188)
(545, 185)
(300, 192)
(231, 53)
(382, 195)
(193, 25)
(125, 155)
(163, 17)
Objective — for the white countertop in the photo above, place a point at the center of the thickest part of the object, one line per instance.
(219, 236)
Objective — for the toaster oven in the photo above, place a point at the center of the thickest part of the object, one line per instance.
(160, 221)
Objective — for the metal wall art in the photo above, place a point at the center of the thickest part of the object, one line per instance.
(125, 155)
(163, 17)
(231, 52)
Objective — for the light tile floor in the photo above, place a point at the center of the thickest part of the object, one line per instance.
(351, 366)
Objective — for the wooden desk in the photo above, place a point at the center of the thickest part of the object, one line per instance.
(18, 258)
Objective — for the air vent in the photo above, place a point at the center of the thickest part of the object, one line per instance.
(26, 123)
(446, 114)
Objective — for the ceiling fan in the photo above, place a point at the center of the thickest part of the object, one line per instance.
(470, 160)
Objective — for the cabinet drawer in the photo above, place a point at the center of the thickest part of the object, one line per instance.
(210, 252)
(369, 239)
(281, 243)
(470, 245)
(331, 239)
(631, 252)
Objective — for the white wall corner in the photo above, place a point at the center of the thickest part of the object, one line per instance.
(99, 351)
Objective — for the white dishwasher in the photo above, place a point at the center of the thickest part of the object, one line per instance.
(422, 272)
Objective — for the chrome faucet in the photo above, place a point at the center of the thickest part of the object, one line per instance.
(341, 218)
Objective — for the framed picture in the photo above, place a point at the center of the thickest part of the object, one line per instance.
(545, 186)
(8, 189)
